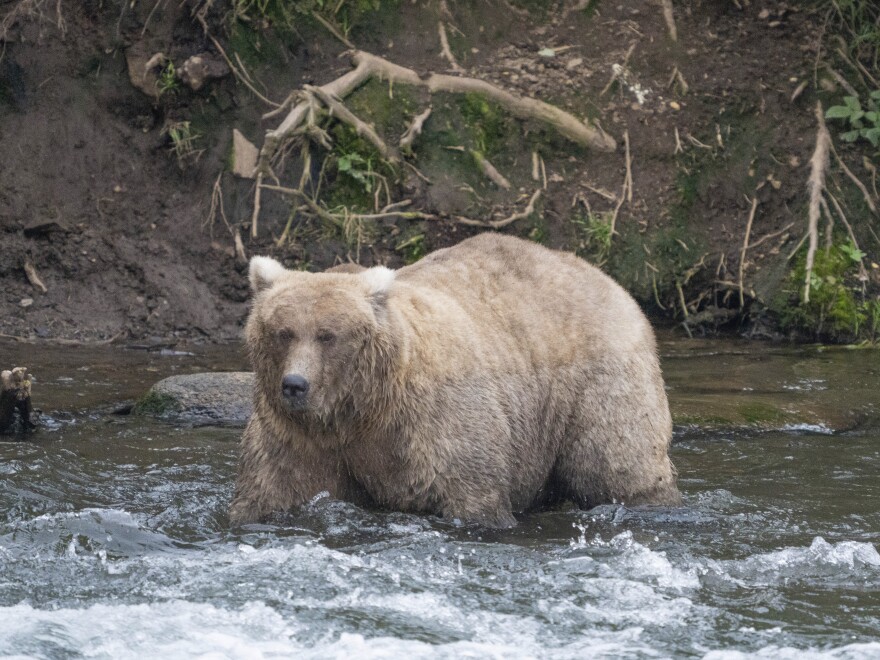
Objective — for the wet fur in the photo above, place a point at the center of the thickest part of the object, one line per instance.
(484, 380)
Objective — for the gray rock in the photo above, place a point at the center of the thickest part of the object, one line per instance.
(202, 399)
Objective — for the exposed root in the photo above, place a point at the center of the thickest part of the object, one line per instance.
(445, 50)
(861, 186)
(332, 29)
(363, 129)
(626, 190)
(32, 276)
(498, 224)
(745, 247)
(669, 17)
(414, 130)
(863, 273)
(368, 66)
(816, 184)
(489, 170)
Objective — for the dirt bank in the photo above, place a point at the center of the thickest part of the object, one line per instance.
(116, 223)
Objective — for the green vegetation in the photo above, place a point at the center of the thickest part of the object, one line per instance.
(594, 236)
(838, 308)
(862, 123)
(168, 83)
(183, 140)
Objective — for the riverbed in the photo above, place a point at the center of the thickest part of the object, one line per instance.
(114, 540)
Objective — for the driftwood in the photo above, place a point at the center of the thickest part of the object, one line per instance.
(15, 401)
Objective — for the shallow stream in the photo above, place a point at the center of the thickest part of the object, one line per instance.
(114, 540)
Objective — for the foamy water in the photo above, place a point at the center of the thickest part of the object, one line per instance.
(114, 543)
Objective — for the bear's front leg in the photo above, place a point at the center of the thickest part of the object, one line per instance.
(475, 505)
(278, 474)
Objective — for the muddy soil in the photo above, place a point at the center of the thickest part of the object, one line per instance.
(118, 230)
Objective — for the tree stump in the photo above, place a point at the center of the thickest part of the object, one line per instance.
(15, 401)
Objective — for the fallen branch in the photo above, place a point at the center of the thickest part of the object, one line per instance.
(816, 184)
(498, 224)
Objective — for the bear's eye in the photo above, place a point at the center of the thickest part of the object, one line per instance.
(326, 337)
(285, 336)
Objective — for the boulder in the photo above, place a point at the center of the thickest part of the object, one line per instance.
(220, 398)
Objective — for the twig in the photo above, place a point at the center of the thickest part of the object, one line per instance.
(628, 182)
(362, 128)
(414, 130)
(863, 274)
(256, 214)
(238, 74)
(854, 179)
(536, 174)
(332, 29)
(816, 184)
(32, 276)
(616, 71)
(445, 50)
(742, 254)
(489, 170)
(498, 224)
(767, 237)
(670, 20)
(678, 148)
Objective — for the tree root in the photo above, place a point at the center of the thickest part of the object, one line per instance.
(414, 130)
(816, 184)
(498, 224)
(369, 66)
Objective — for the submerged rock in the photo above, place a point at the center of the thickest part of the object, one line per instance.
(222, 398)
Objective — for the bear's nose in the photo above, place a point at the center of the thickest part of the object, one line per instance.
(294, 386)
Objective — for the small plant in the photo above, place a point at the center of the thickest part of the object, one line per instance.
(183, 141)
(862, 123)
(357, 167)
(168, 83)
(594, 230)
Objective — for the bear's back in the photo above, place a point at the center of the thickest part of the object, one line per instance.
(531, 291)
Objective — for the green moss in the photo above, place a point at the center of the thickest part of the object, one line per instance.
(155, 403)
(756, 412)
(836, 309)
(488, 125)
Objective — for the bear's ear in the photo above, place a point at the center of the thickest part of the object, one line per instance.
(378, 280)
(263, 272)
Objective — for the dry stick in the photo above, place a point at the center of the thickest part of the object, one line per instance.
(32, 276)
(816, 184)
(536, 173)
(388, 212)
(681, 299)
(617, 72)
(628, 183)
(626, 190)
(488, 169)
(256, 214)
(669, 18)
(678, 148)
(238, 74)
(767, 237)
(414, 130)
(363, 129)
(498, 224)
(855, 180)
(332, 29)
(742, 254)
(543, 172)
(843, 82)
(445, 50)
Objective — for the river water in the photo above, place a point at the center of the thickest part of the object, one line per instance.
(114, 541)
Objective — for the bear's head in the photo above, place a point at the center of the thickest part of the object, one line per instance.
(315, 338)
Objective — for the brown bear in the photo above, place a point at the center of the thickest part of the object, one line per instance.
(487, 379)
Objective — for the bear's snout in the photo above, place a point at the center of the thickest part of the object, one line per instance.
(294, 388)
